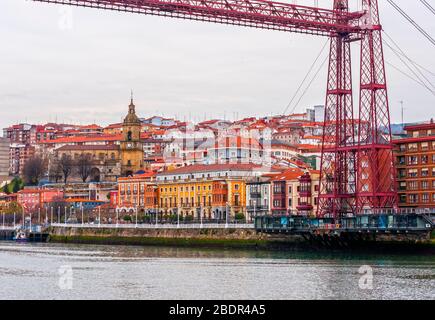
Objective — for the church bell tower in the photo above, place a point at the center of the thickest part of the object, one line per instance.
(132, 154)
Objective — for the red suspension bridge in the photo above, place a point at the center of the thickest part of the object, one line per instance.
(357, 168)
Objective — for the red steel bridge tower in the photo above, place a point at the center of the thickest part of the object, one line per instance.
(357, 155)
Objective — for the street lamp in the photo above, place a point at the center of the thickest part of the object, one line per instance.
(255, 208)
(226, 215)
(201, 211)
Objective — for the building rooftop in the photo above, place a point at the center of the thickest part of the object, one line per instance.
(211, 167)
(88, 147)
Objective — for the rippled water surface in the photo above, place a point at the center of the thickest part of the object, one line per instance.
(40, 271)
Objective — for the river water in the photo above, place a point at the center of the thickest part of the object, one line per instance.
(59, 271)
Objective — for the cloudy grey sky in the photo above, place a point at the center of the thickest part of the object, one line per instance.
(83, 72)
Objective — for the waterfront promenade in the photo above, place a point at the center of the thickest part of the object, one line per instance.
(158, 226)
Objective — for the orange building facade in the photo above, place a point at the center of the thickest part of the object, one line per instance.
(415, 164)
(138, 191)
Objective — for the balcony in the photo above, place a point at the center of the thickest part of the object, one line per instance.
(306, 193)
(304, 207)
(257, 208)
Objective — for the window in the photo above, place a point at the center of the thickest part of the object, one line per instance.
(290, 189)
(425, 198)
(412, 173)
(412, 147)
(402, 198)
(425, 185)
(425, 172)
(413, 198)
(289, 202)
(425, 146)
(424, 159)
(412, 185)
(412, 160)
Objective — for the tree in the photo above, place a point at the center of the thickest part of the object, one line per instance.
(13, 207)
(34, 170)
(66, 164)
(14, 186)
(17, 185)
(84, 166)
(55, 172)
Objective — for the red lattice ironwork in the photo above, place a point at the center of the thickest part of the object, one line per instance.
(338, 163)
(357, 168)
(376, 174)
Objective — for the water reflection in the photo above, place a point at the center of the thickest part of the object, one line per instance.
(129, 272)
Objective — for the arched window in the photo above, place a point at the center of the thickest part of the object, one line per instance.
(129, 136)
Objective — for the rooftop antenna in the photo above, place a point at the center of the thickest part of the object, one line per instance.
(403, 123)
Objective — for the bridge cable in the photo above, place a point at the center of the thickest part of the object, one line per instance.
(305, 78)
(405, 74)
(310, 83)
(411, 21)
(427, 5)
(407, 65)
(416, 65)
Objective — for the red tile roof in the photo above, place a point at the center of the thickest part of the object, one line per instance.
(212, 167)
(89, 147)
(290, 174)
(421, 126)
(78, 139)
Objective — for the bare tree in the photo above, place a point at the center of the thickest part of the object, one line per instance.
(55, 171)
(34, 170)
(84, 166)
(66, 164)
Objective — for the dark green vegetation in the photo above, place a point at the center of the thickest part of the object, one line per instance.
(14, 186)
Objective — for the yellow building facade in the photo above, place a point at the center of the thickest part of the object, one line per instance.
(207, 199)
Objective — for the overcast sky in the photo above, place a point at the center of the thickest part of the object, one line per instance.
(81, 69)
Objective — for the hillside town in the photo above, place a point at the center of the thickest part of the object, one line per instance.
(162, 169)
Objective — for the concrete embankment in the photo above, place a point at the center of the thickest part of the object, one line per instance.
(225, 238)
(173, 237)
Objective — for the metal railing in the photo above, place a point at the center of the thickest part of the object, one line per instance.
(158, 226)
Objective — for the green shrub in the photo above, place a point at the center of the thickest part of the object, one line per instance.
(239, 216)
